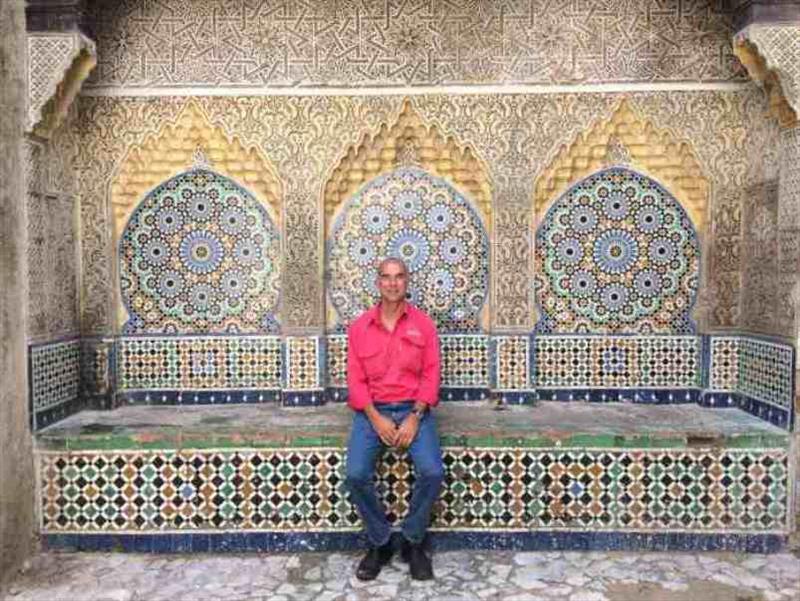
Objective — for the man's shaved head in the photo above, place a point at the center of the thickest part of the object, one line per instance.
(393, 260)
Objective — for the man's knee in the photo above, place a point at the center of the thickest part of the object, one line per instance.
(431, 472)
(357, 477)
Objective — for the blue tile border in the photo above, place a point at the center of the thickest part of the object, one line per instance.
(516, 397)
(303, 398)
(455, 394)
(197, 397)
(648, 396)
(49, 416)
(777, 416)
(553, 540)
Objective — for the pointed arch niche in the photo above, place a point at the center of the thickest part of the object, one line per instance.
(192, 153)
(626, 138)
(620, 216)
(412, 191)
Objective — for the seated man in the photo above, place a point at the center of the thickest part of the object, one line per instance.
(393, 381)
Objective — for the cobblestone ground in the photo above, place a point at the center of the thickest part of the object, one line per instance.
(463, 575)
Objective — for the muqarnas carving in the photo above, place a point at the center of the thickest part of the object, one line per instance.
(616, 254)
(200, 254)
(424, 220)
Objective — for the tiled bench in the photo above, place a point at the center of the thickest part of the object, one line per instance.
(550, 476)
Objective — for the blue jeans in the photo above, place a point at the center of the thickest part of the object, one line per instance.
(362, 452)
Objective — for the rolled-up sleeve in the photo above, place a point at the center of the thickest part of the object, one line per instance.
(358, 396)
(428, 391)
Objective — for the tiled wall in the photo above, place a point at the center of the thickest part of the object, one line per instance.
(757, 374)
(54, 376)
(617, 362)
(200, 369)
(289, 490)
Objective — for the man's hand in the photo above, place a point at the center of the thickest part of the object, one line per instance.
(384, 427)
(407, 431)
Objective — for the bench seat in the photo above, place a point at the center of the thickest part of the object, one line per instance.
(550, 476)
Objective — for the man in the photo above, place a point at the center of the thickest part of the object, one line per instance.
(393, 382)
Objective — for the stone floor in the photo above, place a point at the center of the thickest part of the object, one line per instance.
(460, 575)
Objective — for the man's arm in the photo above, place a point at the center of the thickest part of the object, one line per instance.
(428, 391)
(427, 394)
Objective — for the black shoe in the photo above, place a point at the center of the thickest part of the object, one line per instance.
(371, 564)
(418, 562)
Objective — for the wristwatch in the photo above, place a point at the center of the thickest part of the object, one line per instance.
(419, 411)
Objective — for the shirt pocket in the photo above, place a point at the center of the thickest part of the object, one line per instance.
(371, 359)
(411, 349)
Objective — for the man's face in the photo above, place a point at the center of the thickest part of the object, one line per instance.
(392, 282)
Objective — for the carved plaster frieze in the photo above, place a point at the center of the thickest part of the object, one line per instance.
(771, 54)
(58, 63)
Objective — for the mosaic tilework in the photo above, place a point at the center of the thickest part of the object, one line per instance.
(197, 363)
(766, 371)
(724, 366)
(200, 255)
(500, 488)
(54, 377)
(336, 360)
(511, 356)
(302, 363)
(465, 361)
(617, 362)
(616, 254)
(422, 219)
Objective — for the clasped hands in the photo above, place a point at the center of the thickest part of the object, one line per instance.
(393, 435)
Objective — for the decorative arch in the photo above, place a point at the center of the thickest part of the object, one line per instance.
(425, 220)
(408, 142)
(190, 142)
(626, 137)
(199, 255)
(616, 254)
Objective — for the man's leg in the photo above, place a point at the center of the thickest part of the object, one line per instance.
(362, 451)
(429, 474)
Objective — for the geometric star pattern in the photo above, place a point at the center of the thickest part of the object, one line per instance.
(652, 490)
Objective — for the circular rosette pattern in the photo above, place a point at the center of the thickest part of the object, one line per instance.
(199, 254)
(422, 219)
(616, 254)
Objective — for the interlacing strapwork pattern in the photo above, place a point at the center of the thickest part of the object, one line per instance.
(336, 360)
(302, 363)
(423, 220)
(724, 363)
(617, 362)
(779, 44)
(465, 360)
(433, 42)
(511, 354)
(500, 488)
(765, 371)
(49, 57)
(200, 254)
(55, 374)
(197, 363)
(616, 254)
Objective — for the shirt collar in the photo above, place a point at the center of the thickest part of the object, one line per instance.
(374, 313)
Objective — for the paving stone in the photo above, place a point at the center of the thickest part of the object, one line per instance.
(461, 576)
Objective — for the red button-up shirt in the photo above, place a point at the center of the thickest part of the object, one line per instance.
(387, 367)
